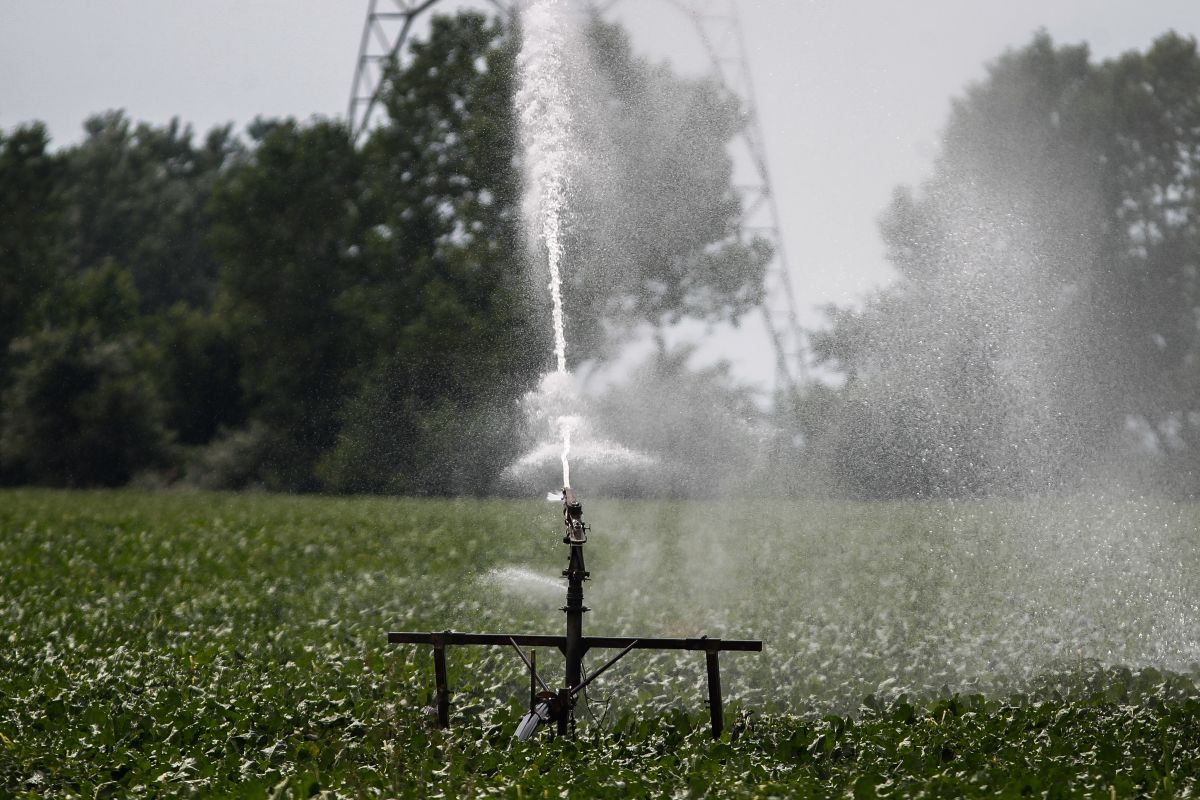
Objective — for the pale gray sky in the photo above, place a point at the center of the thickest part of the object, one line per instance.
(851, 93)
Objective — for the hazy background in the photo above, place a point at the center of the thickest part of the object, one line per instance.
(851, 94)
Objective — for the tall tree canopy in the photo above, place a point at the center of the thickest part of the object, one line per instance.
(1047, 293)
(138, 194)
(305, 312)
(31, 216)
(285, 227)
(1151, 103)
(464, 316)
(454, 342)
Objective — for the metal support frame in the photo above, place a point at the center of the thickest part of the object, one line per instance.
(459, 638)
(574, 645)
(716, 708)
(567, 694)
(443, 682)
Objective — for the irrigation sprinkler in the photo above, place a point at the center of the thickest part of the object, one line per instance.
(547, 705)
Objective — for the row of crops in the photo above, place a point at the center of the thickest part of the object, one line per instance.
(192, 644)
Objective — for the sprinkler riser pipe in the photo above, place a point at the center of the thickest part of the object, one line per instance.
(576, 574)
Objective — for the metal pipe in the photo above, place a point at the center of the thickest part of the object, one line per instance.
(564, 702)
(443, 684)
(716, 708)
(560, 705)
(600, 671)
(534, 679)
(575, 574)
(529, 662)
(590, 642)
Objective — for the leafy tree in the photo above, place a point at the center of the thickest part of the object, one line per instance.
(652, 239)
(1027, 325)
(82, 409)
(286, 230)
(31, 216)
(199, 372)
(83, 400)
(138, 194)
(345, 318)
(1149, 112)
(453, 338)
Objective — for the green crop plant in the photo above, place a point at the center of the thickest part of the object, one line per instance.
(234, 645)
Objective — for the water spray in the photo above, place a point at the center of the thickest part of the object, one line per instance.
(566, 424)
(545, 120)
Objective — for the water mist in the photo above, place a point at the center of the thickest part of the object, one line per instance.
(545, 122)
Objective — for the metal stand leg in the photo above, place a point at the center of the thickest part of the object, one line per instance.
(532, 680)
(443, 685)
(564, 700)
(716, 708)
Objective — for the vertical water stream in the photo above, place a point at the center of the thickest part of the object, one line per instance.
(543, 110)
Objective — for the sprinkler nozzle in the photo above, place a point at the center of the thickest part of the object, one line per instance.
(573, 518)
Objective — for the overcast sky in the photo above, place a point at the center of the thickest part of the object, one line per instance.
(851, 93)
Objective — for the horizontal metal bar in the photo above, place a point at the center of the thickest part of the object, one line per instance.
(454, 637)
(534, 640)
(705, 644)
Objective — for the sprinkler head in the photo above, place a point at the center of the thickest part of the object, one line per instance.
(573, 518)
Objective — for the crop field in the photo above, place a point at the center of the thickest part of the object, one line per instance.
(235, 645)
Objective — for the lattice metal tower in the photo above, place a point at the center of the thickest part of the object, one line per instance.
(385, 31)
(716, 22)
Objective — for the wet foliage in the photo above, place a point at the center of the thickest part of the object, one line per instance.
(193, 644)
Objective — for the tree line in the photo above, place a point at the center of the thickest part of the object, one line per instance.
(300, 312)
(297, 311)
